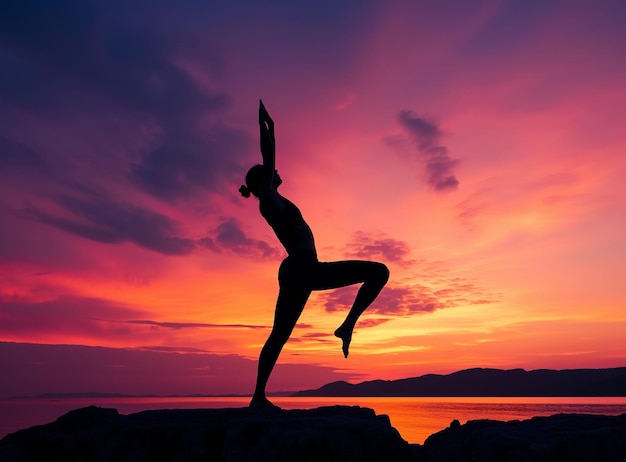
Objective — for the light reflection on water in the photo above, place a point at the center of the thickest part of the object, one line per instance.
(415, 418)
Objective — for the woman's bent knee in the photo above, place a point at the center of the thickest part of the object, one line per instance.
(382, 273)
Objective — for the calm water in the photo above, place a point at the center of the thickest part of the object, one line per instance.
(415, 418)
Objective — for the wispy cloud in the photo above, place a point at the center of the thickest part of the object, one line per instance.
(372, 322)
(426, 137)
(316, 337)
(409, 299)
(109, 222)
(391, 301)
(171, 349)
(192, 325)
(62, 316)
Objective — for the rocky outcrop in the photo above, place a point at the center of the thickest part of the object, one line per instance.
(337, 433)
(562, 437)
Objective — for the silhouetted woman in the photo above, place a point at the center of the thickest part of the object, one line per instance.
(301, 272)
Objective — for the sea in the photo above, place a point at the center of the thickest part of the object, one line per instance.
(414, 418)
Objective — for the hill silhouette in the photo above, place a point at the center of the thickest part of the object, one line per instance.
(489, 382)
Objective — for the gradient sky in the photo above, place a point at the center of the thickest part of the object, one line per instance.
(476, 147)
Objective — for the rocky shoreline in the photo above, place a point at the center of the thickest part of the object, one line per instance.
(335, 433)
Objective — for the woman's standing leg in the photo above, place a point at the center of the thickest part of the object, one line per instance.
(289, 306)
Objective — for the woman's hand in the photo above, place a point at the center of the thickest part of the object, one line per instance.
(264, 116)
(268, 142)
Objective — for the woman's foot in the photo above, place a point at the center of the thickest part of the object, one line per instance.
(262, 403)
(346, 337)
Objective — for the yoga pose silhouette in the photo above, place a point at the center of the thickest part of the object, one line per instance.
(301, 272)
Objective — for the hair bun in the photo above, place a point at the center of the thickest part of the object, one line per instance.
(244, 191)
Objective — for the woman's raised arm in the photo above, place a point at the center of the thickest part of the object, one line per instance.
(268, 141)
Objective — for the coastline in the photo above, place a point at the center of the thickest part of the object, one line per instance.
(343, 433)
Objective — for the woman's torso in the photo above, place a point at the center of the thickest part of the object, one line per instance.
(287, 222)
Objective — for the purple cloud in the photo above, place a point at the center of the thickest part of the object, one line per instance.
(105, 221)
(407, 300)
(370, 247)
(426, 136)
(14, 154)
(69, 60)
(189, 162)
(228, 236)
(396, 301)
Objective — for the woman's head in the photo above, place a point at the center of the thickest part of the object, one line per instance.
(254, 181)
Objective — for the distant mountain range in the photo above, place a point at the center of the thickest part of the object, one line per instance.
(99, 395)
(489, 382)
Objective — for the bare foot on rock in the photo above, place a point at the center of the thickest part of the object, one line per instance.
(262, 403)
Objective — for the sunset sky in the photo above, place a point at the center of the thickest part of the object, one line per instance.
(477, 148)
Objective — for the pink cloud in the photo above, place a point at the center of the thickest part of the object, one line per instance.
(367, 246)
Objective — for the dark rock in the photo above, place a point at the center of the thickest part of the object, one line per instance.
(562, 437)
(337, 433)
